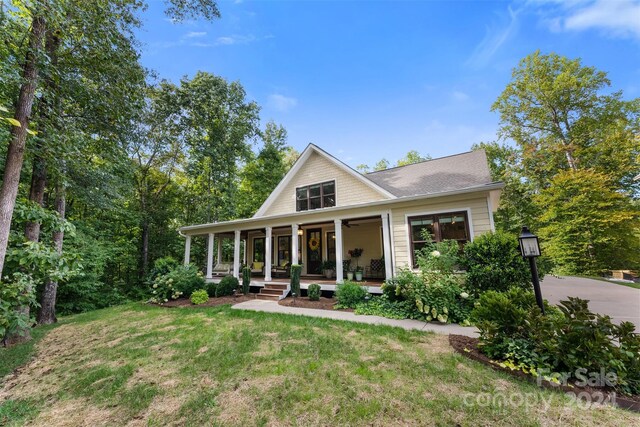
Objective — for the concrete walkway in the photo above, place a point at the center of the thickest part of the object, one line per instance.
(620, 302)
(274, 307)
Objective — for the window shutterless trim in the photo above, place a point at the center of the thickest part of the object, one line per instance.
(320, 197)
(437, 232)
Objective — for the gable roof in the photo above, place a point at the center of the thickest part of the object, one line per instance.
(450, 173)
(306, 154)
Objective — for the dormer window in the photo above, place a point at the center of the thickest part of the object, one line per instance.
(316, 196)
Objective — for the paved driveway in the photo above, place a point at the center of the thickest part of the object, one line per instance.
(620, 302)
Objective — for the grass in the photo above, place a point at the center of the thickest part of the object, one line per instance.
(18, 355)
(617, 282)
(218, 366)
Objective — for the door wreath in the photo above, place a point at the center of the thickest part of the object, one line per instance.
(314, 243)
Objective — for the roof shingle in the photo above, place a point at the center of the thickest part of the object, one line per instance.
(450, 173)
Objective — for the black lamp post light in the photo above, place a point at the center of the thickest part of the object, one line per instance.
(530, 248)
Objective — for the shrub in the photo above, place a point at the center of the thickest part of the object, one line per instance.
(162, 266)
(246, 280)
(444, 301)
(182, 280)
(296, 270)
(349, 294)
(16, 292)
(199, 297)
(227, 285)
(493, 262)
(402, 284)
(385, 307)
(568, 339)
(314, 291)
(439, 258)
(437, 296)
(211, 289)
(500, 317)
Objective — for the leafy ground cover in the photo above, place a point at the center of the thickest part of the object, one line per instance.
(148, 365)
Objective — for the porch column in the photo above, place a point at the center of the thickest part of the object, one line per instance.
(294, 244)
(236, 255)
(210, 256)
(187, 250)
(267, 255)
(339, 250)
(219, 255)
(386, 241)
(245, 260)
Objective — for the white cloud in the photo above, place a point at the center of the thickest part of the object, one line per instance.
(194, 34)
(281, 103)
(614, 18)
(459, 96)
(496, 35)
(619, 18)
(235, 39)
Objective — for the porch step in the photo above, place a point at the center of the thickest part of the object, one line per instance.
(268, 297)
(280, 286)
(267, 291)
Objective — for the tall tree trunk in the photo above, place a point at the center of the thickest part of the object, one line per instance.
(144, 265)
(15, 155)
(36, 194)
(47, 111)
(47, 313)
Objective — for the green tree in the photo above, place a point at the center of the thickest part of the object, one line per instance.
(262, 174)
(381, 165)
(412, 157)
(586, 226)
(516, 203)
(572, 138)
(558, 113)
(217, 123)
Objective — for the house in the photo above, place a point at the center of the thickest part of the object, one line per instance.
(322, 209)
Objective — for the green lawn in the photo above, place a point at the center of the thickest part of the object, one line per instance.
(617, 282)
(217, 366)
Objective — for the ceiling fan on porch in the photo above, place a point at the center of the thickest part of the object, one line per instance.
(347, 224)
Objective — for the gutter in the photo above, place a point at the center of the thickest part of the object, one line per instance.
(487, 187)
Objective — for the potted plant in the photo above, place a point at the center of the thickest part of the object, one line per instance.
(328, 268)
(350, 274)
(359, 274)
(356, 253)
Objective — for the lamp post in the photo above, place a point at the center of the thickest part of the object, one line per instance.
(530, 248)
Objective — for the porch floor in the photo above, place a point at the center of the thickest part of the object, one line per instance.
(373, 285)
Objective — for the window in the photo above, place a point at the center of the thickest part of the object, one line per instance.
(258, 249)
(316, 196)
(427, 229)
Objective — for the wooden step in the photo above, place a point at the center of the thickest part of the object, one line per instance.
(268, 297)
(265, 291)
(281, 286)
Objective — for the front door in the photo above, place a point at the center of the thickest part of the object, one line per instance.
(314, 251)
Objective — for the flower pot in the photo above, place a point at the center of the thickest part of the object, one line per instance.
(359, 276)
(328, 274)
(349, 275)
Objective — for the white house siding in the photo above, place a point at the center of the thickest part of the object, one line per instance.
(479, 220)
(317, 169)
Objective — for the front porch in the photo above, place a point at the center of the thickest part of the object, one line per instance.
(329, 285)
(316, 245)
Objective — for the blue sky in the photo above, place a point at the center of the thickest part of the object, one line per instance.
(371, 79)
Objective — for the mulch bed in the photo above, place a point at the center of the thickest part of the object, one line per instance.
(305, 302)
(185, 302)
(468, 347)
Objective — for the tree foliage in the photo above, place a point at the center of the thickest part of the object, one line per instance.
(571, 171)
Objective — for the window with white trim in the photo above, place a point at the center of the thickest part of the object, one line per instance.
(425, 229)
(316, 196)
